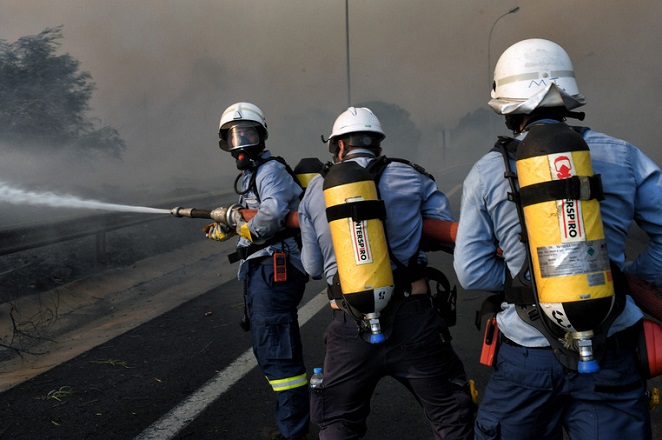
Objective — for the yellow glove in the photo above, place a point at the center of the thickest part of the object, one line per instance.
(243, 231)
(236, 220)
(218, 232)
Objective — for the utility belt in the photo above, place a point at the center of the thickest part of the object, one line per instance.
(419, 300)
(243, 252)
(334, 293)
(402, 287)
(506, 340)
(519, 291)
(443, 297)
(625, 339)
(403, 279)
(266, 260)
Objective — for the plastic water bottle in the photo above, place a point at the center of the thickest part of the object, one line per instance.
(316, 379)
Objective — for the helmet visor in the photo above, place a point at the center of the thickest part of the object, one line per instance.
(243, 135)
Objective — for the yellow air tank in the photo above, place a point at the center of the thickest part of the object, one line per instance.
(355, 216)
(306, 169)
(566, 239)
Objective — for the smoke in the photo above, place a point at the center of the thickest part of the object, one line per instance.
(166, 69)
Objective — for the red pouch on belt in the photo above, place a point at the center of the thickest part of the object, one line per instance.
(490, 342)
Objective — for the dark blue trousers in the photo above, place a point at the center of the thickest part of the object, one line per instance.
(531, 396)
(272, 310)
(415, 354)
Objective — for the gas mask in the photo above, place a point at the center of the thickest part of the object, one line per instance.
(247, 157)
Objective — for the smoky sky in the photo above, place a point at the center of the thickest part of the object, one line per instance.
(166, 69)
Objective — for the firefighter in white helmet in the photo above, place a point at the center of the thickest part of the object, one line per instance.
(270, 263)
(533, 391)
(417, 350)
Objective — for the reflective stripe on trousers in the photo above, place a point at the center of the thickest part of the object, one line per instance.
(288, 383)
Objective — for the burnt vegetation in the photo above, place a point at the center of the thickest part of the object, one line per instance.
(44, 99)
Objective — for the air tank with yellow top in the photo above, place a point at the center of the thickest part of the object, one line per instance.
(306, 169)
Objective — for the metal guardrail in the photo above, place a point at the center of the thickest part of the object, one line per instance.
(30, 237)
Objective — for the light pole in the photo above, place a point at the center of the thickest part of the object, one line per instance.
(489, 42)
(349, 90)
(489, 64)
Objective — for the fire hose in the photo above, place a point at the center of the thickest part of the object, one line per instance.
(438, 234)
(441, 234)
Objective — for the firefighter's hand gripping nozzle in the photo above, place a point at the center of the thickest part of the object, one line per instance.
(355, 216)
(227, 220)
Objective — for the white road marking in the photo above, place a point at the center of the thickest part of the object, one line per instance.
(187, 410)
(453, 190)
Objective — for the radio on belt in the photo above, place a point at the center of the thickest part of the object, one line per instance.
(280, 267)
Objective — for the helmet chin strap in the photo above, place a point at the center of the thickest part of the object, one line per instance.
(344, 152)
(517, 121)
(514, 122)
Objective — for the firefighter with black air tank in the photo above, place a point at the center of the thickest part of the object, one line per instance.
(558, 201)
(370, 210)
(270, 263)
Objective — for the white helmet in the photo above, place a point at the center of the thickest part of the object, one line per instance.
(238, 119)
(357, 120)
(534, 73)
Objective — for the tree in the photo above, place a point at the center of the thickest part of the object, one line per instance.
(402, 134)
(44, 98)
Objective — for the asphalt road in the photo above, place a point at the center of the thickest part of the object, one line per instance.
(141, 382)
(189, 374)
(161, 356)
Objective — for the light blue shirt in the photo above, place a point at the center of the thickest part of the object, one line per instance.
(409, 197)
(278, 195)
(632, 184)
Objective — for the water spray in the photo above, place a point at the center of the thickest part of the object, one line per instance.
(18, 196)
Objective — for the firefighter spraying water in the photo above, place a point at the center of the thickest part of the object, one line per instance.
(269, 260)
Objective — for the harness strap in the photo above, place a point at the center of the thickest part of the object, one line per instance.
(444, 298)
(572, 188)
(243, 252)
(519, 290)
(358, 211)
(252, 184)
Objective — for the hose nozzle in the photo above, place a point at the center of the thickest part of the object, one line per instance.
(190, 212)
(176, 211)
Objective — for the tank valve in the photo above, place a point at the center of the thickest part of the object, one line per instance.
(587, 363)
(376, 335)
